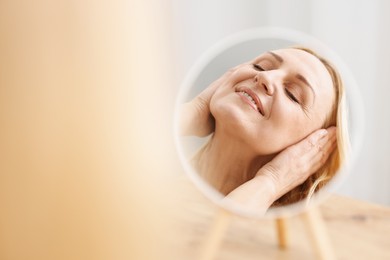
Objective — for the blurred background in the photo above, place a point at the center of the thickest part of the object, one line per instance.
(85, 130)
(87, 92)
(356, 30)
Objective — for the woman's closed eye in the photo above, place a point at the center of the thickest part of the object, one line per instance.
(291, 96)
(258, 67)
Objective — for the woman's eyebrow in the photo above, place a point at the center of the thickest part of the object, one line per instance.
(276, 56)
(306, 82)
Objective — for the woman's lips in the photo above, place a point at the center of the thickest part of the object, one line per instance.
(251, 98)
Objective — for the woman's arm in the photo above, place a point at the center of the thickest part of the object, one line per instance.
(286, 171)
(256, 194)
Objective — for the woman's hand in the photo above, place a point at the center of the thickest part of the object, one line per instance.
(195, 116)
(296, 163)
(287, 170)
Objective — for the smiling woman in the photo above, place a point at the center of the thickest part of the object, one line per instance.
(273, 123)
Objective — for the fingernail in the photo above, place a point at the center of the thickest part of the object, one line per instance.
(323, 132)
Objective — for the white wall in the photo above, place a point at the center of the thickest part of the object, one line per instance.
(356, 30)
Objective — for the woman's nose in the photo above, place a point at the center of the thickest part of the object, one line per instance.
(264, 83)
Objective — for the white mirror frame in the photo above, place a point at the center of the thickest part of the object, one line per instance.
(354, 105)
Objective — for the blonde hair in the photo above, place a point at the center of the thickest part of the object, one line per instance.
(338, 118)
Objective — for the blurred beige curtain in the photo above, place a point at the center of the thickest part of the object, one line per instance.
(84, 129)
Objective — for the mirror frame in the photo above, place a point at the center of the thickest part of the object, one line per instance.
(354, 103)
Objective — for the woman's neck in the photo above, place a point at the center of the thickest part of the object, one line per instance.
(226, 163)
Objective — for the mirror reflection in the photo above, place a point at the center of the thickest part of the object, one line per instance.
(273, 128)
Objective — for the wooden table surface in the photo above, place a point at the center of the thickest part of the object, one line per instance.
(357, 230)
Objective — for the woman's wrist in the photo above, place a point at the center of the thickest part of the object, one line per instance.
(258, 193)
(269, 188)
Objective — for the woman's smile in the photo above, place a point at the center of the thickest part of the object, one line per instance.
(250, 97)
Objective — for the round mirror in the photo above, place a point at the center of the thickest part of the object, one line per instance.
(268, 122)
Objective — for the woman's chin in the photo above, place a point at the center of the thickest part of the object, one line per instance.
(238, 113)
(236, 123)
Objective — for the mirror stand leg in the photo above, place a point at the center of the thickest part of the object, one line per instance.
(282, 232)
(318, 234)
(216, 232)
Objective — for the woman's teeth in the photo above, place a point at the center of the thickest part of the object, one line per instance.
(250, 98)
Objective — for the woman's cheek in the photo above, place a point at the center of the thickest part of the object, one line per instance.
(299, 131)
(292, 128)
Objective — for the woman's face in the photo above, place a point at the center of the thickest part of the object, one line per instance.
(274, 101)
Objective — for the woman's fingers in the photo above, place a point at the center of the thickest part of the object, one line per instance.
(231, 77)
(329, 145)
(295, 164)
(318, 153)
(323, 147)
(316, 143)
(195, 116)
(320, 157)
(313, 141)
